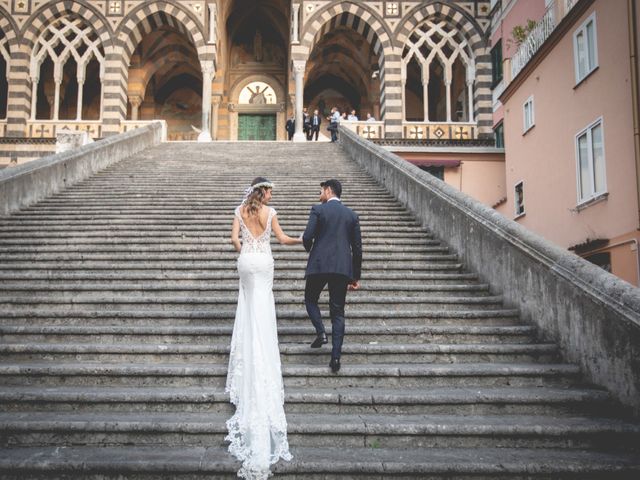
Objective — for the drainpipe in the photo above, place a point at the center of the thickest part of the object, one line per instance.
(635, 92)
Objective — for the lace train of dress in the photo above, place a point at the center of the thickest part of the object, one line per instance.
(258, 429)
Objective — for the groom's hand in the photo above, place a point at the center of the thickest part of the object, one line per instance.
(354, 285)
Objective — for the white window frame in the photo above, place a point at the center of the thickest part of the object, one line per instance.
(525, 128)
(515, 202)
(583, 28)
(595, 195)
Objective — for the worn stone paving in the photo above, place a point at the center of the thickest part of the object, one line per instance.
(117, 299)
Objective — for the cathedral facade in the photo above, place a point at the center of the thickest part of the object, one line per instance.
(238, 69)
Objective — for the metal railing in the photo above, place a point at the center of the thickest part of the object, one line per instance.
(536, 38)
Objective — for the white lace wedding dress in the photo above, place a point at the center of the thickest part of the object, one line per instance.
(258, 429)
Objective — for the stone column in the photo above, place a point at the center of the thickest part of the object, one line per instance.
(80, 93)
(135, 101)
(57, 74)
(212, 24)
(34, 96)
(208, 72)
(295, 13)
(298, 72)
(448, 90)
(425, 91)
(215, 107)
(470, 95)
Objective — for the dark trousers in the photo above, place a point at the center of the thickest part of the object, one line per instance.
(337, 295)
(314, 131)
(334, 131)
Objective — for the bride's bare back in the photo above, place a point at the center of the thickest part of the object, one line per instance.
(256, 224)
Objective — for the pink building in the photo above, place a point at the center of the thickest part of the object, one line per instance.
(568, 105)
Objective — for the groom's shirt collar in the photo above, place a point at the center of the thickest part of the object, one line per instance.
(334, 198)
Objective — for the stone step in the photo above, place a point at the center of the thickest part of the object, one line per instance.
(171, 248)
(317, 463)
(195, 212)
(357, 300)
(400, 376)
(211, 255)
(353, 353)
(435, 400)
(383, 278)
(367, 334)
(176, 238)
(286, 317)
(157, 289)
(322, 430)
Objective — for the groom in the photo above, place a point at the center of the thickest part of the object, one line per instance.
(333, 238)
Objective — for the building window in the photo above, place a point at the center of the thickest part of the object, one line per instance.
(591, 175)
(602, 259)
(585, 48)
(519, 199)
(529, 118)
(496, 64)
(499, 135)
(437, 172)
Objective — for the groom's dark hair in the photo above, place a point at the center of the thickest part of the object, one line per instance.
(334, 185)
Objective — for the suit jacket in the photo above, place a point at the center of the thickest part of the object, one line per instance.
(334, 241)
(315, 127)
(290, 126)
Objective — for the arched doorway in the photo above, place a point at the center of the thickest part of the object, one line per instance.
(254, 69)
(343, 71)
(165, 82)
(257, 112)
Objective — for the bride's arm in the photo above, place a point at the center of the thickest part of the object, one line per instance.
(235, 234)
(281, 236)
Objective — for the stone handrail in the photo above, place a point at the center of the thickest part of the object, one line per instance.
(592, 315)
(33, 181)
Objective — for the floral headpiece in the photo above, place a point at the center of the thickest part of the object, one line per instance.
(249, 190)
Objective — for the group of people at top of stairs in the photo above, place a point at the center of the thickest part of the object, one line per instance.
(258, 429)
(311, 123)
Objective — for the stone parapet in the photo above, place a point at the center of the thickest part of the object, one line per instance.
(591, 314)
(31, 182)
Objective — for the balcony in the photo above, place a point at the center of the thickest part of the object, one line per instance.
(556, 11)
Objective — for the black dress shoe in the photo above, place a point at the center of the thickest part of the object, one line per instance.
(319, 341)
(335, 365)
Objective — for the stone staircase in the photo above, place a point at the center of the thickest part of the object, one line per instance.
(117, 302)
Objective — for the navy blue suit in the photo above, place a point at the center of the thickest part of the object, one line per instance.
(334, 241)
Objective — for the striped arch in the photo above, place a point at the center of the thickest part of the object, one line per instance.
(476, 38)
(41, 19)
(362, 20)
(144, 19)
(147, 18)
(8, 27)
(20, 89)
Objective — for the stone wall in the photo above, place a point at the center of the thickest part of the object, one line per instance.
(591, 314)
(26, 184)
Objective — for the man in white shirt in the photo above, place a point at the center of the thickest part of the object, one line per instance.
(352, 116)
(334, 122)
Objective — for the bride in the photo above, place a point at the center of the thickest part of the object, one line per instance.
(258, 429)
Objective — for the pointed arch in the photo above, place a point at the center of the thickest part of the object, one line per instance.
(362, 20)
(149, 17)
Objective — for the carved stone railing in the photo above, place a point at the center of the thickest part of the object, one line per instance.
(439, 131)
(128, 125)
(50, 128)
(593, 316)
(552, 17)
(368, 130)
(409, 142)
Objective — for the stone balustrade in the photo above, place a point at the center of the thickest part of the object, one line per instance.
(439, 131)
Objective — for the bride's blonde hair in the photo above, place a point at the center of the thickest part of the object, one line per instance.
(255, 200)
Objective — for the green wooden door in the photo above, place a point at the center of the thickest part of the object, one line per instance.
(256, 127)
